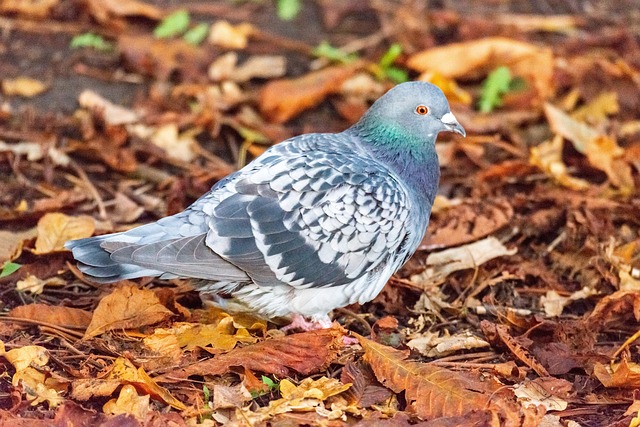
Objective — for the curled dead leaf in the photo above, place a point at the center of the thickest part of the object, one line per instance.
(126, 307)
(281, 100)
(55, 229)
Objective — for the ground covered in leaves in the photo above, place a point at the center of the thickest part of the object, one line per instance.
(522, 306)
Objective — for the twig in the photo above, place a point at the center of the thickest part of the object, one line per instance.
(102, 211)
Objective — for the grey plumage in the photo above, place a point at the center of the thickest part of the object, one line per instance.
(317, 222)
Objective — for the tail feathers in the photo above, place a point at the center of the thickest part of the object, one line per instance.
(96, 262)
(120, 256)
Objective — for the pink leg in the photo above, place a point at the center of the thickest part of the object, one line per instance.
(299, 322)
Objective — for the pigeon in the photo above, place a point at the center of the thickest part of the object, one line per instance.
(317, 222)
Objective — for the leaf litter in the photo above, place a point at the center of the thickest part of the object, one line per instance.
(521, 307)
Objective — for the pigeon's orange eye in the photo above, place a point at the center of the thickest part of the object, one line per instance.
(422, 110)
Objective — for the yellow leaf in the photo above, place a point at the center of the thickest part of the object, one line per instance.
(229, 36)
(23, 86)
(125, 372)
(54, 229)
(126, 307)
(128, 402)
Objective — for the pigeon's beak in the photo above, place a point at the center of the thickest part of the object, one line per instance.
(451, 124)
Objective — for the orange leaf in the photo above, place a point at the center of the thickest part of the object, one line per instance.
(281, 100)
(126, 307)
(431, 391)
(624, 374)
(305, 353)
(67, 317)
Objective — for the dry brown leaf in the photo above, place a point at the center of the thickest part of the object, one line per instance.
(430, 391)
(549, 392)
(602, 151)
(620, 306)
(495, 332)
(38, 9)
(305, 353)
(467, 222)
(477, 58)
(281, 100)
(55, 229)
(111, 113)
(623, 375)
(126, 307)
(440, 264)
(258, 66)
(105, 10)
(66, 317)
(548, 157)
(597, 110)
(11, 243)
(23, 86)
(309, 395)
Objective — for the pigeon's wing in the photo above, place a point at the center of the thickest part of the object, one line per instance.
(309, 217)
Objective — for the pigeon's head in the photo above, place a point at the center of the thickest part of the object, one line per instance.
(410, 116)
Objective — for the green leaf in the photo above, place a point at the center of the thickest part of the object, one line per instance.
(396, 75)
(9, 268)
(325, 50)
(390, 55)
(206, 393)
(288, 9)
(94, 41)
(197, 34)
(172, 25)
(497, 84)
(273, 386)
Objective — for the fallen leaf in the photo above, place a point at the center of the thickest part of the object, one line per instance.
(125, 372)
(280, 100)
(476, 58)
(229, 36)
(23, 86)
(431, 344)
(257, 66)
(305, 353)
(309, 395)
(554, 304)
(35, 151)
(548, 157)
(126, 307)
(178, 145)
(625, 374)
(440, 264)
(129, 403)
(112, 114)
(533, 23)
(35, 285)
(55, 229)
(11, 243)
(430, 391)
(29, 362)
(597, 110)
(105, 10)
(38, 9)
(620, 306)
(536, 392)
(466, 221)
(602, 151)
(67, 317)
(500, 333)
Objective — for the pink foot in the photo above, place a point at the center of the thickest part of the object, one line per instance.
(298, 322)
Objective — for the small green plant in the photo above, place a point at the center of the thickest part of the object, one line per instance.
(197, 34)
(388, 70)
(288, 9)
(272, 386)
(497, 84)
(91, 40)
(173, 25)
(325, 50)
(9, 268)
